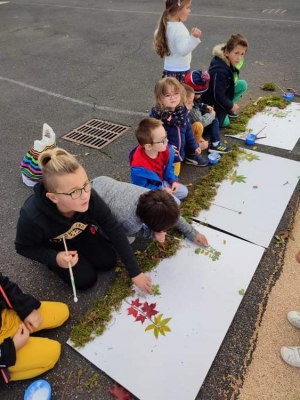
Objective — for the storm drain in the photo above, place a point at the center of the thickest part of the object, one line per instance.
(96, 133)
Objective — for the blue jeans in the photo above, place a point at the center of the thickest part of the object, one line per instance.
(180, 194)
(213, 130)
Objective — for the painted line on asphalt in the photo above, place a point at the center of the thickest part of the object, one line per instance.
(83, 103)
(152, 12)
(3, 2)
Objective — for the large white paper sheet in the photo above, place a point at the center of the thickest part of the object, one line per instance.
(201, 296)
(252, 210)
(281, 127)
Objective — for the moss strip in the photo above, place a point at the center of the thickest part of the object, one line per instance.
(240, 124)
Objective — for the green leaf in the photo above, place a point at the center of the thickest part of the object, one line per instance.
(149, 327)
(164, 321)
(197, 251)
(166, 328)
(162, 332)
(242, 292)
(156, 332)
(158, 318)
(155, 290)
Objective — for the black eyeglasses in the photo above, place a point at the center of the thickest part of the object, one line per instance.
(163, 141)
(75, 194)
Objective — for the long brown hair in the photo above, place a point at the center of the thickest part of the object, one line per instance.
(160, 40)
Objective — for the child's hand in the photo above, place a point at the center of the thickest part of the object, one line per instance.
(201, 239)
(143, 282)
(174, 187)
(209, 108)
(33, 320)
(198, 151)
(196, 32)
(160, 236)
(168, 190)
(63, 260)
(235, 107)
(298, 257)
(21, 337)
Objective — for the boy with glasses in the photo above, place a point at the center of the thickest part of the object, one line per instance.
(151, 162)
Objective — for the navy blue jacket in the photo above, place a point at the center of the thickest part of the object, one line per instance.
(221, 86)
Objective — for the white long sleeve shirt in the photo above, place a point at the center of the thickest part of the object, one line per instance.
(181, 44)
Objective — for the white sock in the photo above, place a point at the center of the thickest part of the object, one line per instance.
(215, 143)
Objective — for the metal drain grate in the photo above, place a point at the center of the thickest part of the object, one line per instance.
(96, 133)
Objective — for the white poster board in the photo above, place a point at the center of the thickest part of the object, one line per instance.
(281, 127)
(201, 297)
(252, 209)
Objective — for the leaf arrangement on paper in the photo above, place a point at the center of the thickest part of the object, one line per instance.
(209, 251)
(144, 311)
(234, 177)
(248, 156)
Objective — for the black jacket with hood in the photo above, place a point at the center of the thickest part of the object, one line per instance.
(221, 86)
(41, 227)
(11, 296)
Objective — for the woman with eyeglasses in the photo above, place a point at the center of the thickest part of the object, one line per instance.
(64, 205)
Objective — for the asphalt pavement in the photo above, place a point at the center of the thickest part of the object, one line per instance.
(65, 62)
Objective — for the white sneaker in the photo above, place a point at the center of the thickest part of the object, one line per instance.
(291, 355)
(294, 318)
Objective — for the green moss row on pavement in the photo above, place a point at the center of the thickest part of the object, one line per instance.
(239, 125)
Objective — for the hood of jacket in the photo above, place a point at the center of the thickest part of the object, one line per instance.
(218, 52)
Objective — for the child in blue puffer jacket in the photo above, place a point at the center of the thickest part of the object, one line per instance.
(170, 109)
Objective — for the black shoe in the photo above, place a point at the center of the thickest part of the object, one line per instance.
(232, 114)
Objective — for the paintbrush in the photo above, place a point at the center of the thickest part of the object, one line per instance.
(71, 272)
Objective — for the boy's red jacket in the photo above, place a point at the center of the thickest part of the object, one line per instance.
(11, 296)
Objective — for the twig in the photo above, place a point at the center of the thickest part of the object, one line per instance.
(63, 393)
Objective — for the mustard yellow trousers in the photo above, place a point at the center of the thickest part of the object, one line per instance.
(39, 354)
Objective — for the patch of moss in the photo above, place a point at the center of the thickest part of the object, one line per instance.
(269, 86)
(239, 125)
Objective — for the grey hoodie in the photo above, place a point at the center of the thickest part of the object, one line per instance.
(122, 199)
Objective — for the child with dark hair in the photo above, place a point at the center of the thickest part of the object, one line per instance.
(225, 88)
(170, 109)
(142, 212)
(151, 163)
(23, 356)
(203, 116)
(172, 40)
(64, 205)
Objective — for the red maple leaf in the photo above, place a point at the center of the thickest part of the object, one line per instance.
(149, 309)
(136, 302)
(141, 318)
(119, 392)
(132, 311)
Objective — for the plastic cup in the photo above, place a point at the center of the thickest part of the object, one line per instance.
(38, 390)
(288, 96)
(250, 138)
(214, 158)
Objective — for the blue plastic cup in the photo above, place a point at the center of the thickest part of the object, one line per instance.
(214, 158)
(250, 138)
(38, 390)
(288, 96)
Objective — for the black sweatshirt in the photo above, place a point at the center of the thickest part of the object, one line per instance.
(41, 226)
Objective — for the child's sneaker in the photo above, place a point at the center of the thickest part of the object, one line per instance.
(197, 160)
(220, 148)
